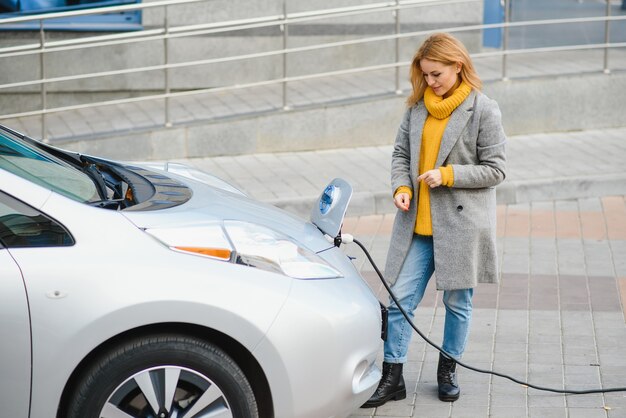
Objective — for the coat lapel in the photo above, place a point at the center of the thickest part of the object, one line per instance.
(415, 136)
(455, 127)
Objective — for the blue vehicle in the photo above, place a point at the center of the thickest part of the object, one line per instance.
(120, 21)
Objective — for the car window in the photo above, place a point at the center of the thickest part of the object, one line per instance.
(45, 170)
(22, 226)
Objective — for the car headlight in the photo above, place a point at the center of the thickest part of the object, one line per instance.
(264, 248)
(249, 245)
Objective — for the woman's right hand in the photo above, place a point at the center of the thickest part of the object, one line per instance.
(402, 201)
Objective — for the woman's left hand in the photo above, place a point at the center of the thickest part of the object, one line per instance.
(432, 178)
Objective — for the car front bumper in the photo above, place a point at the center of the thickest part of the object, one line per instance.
(328, 336)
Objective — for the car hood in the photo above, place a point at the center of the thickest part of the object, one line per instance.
(215, 201)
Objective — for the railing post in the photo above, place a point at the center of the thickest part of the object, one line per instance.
(397, 16)
(607, 37)
(42, 74)
(285, 30)
(166, 75)
(505, 36)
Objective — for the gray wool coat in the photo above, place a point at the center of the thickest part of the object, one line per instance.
(464, 215)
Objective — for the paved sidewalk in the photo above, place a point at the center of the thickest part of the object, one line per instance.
(556, 319)
(539, 167)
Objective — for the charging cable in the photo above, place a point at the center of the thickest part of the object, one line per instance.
(346, 238)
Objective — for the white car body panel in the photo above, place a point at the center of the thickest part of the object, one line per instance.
(315, 340)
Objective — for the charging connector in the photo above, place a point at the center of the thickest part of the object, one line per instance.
(339, 239)
(347, 238)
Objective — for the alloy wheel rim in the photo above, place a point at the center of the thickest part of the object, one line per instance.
(167, 392)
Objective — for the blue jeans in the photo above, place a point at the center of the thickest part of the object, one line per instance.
(409, 289)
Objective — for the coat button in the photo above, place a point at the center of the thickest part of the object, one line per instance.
(459, 208)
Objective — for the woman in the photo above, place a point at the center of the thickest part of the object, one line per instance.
(448, 157)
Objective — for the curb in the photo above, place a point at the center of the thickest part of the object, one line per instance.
(575, 187)
(509, 192)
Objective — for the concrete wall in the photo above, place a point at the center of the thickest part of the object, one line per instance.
(567, 103)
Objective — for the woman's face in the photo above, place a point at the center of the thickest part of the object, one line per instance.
(439, 76)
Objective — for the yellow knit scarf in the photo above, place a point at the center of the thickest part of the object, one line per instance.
(442, 108)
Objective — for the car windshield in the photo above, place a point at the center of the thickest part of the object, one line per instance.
(44, 169)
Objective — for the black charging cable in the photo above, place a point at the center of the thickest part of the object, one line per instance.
(347, 238)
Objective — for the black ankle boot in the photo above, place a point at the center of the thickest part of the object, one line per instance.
(390, 387)
(449, 390)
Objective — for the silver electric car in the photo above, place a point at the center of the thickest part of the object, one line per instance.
(145, 290)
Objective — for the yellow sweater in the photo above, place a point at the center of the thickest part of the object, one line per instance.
(439, 111)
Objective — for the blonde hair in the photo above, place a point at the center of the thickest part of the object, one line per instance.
(444, 48)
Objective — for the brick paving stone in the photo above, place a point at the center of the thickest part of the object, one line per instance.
(616, 412)
(544, 293)
(544, 353)
(402, 408)
(570, 257)
(593, 225)
(514, 400)
(567, 224)
(587, 413)
(604, 294)
(592, 204)
(507, 356)
(546, 401)
(618, 253)
(542, 223)
(536, 336)
(622, 291)
(615, 215)
(517, 221)
(431, 411)
(542, 412)
(598, 258)
(587, 401)
(508, 412)
(501, 220)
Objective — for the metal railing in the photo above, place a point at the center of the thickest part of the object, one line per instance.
(282, 21)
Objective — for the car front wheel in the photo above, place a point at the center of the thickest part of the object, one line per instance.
(164, 376)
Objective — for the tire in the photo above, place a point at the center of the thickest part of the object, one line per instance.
(163, 376)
